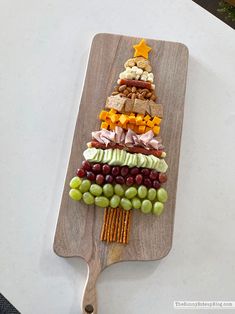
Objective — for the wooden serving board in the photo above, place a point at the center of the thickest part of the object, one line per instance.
(79, 225)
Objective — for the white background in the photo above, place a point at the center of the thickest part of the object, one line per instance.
(44, 47)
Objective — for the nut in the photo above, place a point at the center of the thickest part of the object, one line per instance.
(148, 95)
(122, 88)
(141, 64)
(133, 89)
(153, 97)
(133, 96)
(148, 68)
(129, 95)
(115, 93)
(125, 92)
(129, 63)
(140, 97)
(129, 89)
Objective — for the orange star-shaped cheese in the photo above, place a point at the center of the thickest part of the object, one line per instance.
(142, 49)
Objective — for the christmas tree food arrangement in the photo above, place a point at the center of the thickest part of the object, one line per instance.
(124, 167)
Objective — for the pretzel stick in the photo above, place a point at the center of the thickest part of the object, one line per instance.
(128, 228)
(107, 224)
(104, 223)
(119, 225)
(116, 225)
(123, 225)
(113, 224)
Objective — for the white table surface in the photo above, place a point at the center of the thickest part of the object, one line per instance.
(44, 48)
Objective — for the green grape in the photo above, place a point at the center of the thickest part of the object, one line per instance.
(162, 195)
(118, 190)
(101, 201)
(85, 185)
(88, 198)
(115, 200)
(142, 191)
(75, 182)
(152, 194)
(136, 203)
(158, 208)
(108, 190)
(96, 189)
(146, 206)
(131, 192)
(75, 194)
(126, 204)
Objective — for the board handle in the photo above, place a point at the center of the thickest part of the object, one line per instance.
(89, 302)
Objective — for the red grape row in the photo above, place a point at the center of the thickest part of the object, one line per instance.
(104, 173)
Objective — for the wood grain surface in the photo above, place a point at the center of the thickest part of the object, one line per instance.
(79, 225)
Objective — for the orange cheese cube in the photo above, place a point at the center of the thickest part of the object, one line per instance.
(141, 128)
(112, 111)
(130, 126)
(123, 119)
(112, 126)
(156, 130)
(150, 124)
(131, 114)
(147, 129)
(132, 119)
(138, 120)
(104, 125)
(136, 129)
(140, 115)
(114, 117)
(157, 120)
(147, 117)
(103, 115)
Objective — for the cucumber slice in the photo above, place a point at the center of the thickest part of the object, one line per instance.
(90, 154)
(107, 155)
(162, 166)
(149, 162)
(132, 160)
(100, 155)
(122, 156)
(118, 154)
(140, 160)
(126, 159)
(155, 162)
(113, 161)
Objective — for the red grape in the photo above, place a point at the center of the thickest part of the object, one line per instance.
(162, 177)
(86, 165)
(129, 180)
(119, 180)
(139, 179)
(153, 175)
(145, 172)
(99, 179)
(106, 169)
(96, 168)
(134, 171)
(156, 184)
(124, 171)
(81, 173)
(147, 182)
(115, 171)
(108, 178)
(90, 176)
